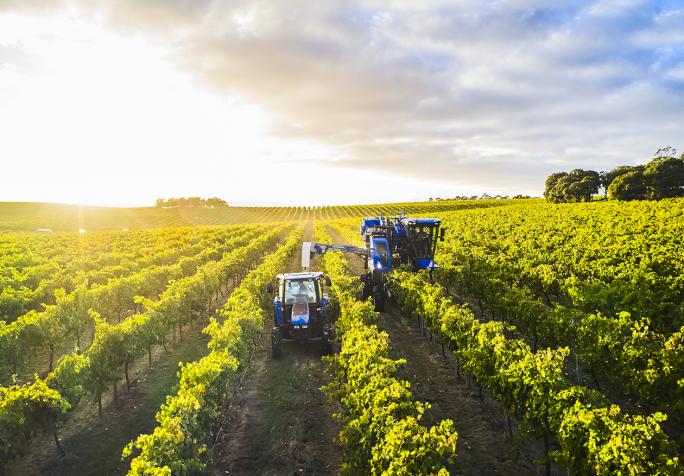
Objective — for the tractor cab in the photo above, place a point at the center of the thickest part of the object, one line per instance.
(300, 309)
(420, 245)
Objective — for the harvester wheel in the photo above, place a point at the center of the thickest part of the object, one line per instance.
(367, 290)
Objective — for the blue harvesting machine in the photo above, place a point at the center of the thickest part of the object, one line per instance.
(389, 242)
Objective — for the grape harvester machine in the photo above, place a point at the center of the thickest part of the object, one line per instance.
(389, 242)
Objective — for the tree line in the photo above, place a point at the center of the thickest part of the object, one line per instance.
(662, 177)
(190, 202)
(484, 196)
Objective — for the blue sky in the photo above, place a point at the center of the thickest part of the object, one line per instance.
(365, 100)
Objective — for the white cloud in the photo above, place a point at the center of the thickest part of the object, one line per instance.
(484, 94)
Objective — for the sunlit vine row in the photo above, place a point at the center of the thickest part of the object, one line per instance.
(382, 431)
(189, 420)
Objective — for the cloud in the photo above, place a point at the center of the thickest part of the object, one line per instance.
(495, 93)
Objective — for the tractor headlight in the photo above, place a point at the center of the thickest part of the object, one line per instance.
(378, 265)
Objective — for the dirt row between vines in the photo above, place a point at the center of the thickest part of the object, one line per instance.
(484, 446)
(281, 422)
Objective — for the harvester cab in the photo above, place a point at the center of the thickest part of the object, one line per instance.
(416, 241)
(300, 310)
(412, 241)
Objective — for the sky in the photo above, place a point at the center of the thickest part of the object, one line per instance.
(273, 102)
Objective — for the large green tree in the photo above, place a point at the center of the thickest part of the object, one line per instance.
(608, 177)
(664, 175)
(576, 186)
(550, 192)
(630, 186)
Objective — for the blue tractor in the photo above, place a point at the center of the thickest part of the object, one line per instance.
(300, 310)
(389, 242)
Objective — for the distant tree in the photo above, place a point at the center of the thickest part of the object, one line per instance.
(576, 186)
(216, 202)
(629, 186)
(585, 184)
(551, 192)
(664, 175)
(191, 202)
(559, 191)
(608, 177)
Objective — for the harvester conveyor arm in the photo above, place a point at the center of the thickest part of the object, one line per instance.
(310, 249)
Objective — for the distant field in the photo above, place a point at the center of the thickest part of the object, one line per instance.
(18, 216)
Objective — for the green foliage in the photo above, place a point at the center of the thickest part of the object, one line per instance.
(629, 186)
(607, 178)
(191, 202)
(576, 186)
(551, 193)
(188, 421)
(594, 436)
(69, 218)
(602, 279)
(382, 433)
(115, 344)
(70, 378)
(602, 441)
(24, 412)
(68, 319)
(664, 177)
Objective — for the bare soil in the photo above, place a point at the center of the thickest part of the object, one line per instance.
(281, 422)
